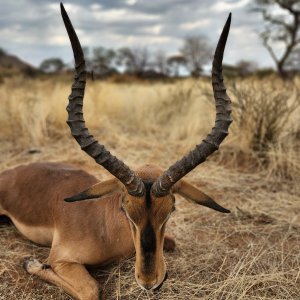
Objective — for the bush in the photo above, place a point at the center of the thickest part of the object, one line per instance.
(263, 120)
(262, 110)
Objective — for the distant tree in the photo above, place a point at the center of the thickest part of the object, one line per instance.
(134, 60)
(293, 63)
(160, 62)
(52, 65)
(2, 52)
(282, 18)
(174, 63)
(197, 52)
(88, 58)
(246, 67)
(31, 72)
(103, 60)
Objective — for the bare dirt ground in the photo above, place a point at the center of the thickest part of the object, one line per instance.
(252, 253)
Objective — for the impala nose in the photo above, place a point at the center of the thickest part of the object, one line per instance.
(147, 285)
(153, 285)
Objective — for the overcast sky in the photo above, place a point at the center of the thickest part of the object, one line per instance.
(33, 29)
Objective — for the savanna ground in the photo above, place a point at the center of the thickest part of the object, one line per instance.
(252, 253)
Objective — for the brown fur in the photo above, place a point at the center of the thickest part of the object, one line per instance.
(108, 228)
(81, 233)
(25, 195)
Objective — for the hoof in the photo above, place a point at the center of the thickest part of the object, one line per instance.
(169, 244)
(32, 265)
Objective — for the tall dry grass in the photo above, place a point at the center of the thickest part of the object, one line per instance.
(35, 109)
(265, 130)
(267, 123)
(252, 253)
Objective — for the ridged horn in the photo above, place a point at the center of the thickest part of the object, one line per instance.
(163, 184)
(92, 147)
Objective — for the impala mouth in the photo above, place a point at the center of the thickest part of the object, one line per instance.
(150, 287)
(158, 287)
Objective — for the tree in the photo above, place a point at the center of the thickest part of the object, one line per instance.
(282, 19)
(160, 62)
(246, 67)
(88, 58)
(134, 60)
(2, 52)
(103, 60)
(293, 61)
(174, 63)
(197, 52)
(52, 65)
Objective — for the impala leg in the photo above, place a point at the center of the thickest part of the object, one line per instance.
(72, 277)
(169, 243)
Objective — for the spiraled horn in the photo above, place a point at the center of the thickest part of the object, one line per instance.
(163, 184)
(76, 121)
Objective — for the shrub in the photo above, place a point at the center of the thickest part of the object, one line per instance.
(265, 123)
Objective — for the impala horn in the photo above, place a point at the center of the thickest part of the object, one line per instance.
(163, 184)
(92, 147)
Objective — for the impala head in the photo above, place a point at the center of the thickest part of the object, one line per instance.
(148, 216)
(148, 193)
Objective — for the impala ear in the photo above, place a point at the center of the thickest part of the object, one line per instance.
(98, 190)
(192, 193)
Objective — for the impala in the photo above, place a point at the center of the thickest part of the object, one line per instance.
(128, 213)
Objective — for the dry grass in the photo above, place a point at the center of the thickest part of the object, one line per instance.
(252, 253)
(267, 122)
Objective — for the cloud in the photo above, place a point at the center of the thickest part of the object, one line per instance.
(195, 24)
(33, 29)
(121, 15)
(229, 5)
(131, 2)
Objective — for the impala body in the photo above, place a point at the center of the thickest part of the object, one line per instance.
(90, 223)
(32, 197)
